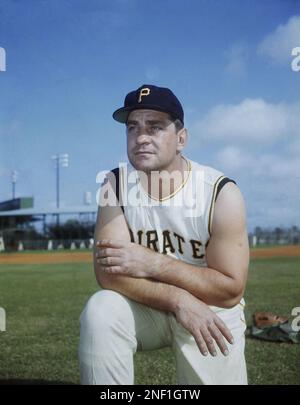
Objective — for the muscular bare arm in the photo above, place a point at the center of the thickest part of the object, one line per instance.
(222, 283)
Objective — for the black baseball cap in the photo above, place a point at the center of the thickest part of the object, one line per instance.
(151, 98)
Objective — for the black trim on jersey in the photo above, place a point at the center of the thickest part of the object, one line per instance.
(222, 184)
(116, 173)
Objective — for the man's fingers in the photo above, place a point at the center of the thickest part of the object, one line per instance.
(111, 243)
(224, 330)
(201, 343)
(109, 261)
(114, 270)
(105, 252)
(217, 335)
(209, 341)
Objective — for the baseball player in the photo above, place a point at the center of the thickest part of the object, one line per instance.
(171, 256)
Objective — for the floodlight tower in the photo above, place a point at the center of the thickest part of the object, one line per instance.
(14, 175)
(63, 161)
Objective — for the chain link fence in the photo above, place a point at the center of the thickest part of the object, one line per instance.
(49, 244)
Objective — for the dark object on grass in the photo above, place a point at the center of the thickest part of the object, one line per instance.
(274, 328)
(265, 319)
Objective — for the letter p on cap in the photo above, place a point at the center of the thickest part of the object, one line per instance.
(144, 92)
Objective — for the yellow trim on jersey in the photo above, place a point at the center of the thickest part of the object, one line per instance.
(178, 189)
(241, 319)
(212, 203)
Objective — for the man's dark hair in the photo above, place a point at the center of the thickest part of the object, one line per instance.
(178, 124)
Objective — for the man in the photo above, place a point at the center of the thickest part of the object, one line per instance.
(171, 258)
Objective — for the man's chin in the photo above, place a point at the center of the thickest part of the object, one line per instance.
(146, 168)
(144, 165)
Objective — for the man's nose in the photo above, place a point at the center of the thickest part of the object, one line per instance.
(142, 138)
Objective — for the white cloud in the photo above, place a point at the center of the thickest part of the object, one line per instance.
(279, 44)
(258, 146)
(251, 120)
(232, 158)
(264, 165)
(268, 181)
(236, 57)
(277, 167)
(282, 214)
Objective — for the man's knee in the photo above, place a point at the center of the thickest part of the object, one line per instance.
(105, 309)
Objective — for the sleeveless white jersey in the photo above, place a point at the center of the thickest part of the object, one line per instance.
(178, 225)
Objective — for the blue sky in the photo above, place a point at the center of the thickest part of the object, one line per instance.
(69, 65)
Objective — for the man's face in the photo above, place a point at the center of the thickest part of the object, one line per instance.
(152, 141)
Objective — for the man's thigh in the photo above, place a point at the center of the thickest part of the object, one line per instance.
(194, 368)
(111, 311)
(153, 330)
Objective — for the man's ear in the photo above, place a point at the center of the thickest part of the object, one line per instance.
(182, 136)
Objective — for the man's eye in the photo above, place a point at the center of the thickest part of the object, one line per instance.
(156, 128)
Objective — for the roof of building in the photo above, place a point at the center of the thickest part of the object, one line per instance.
(84, 209)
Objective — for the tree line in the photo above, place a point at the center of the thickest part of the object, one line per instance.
(275, 236)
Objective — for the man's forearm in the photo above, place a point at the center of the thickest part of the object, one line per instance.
(152, 293)
(207, 284)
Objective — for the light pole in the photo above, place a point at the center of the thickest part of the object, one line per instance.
(60, 160)
(14, 175)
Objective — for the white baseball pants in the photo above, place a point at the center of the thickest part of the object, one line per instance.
(114, 327)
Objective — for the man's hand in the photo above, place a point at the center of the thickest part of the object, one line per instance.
(126, 258)
(203, 324)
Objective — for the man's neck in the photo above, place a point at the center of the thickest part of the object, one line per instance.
(162, 184)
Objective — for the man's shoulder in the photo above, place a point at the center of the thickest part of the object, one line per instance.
(117, 173)
(124, 169)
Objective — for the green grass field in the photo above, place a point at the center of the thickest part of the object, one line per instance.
(43, 304)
